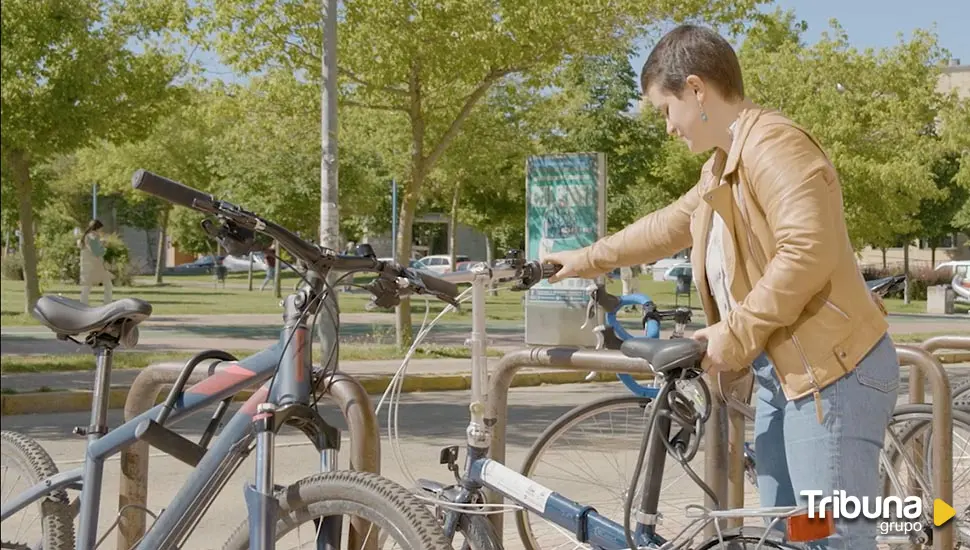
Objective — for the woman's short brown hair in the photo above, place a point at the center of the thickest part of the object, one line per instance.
(690, 49)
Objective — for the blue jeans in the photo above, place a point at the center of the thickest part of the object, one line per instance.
(797, 453)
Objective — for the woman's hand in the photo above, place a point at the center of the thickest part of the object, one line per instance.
(713, 361)
(572, 262)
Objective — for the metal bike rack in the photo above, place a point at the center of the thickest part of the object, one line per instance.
(929, 366)
(565, 358)
(917, 392)
(345, 391)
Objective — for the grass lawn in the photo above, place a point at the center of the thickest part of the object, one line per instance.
(197, 295)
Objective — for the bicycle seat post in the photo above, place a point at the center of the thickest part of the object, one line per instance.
(103, 346)
(478, 337)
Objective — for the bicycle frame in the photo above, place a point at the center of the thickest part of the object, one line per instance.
(286, 365)
(582, 520)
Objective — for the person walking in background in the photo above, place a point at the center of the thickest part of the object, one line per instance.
(270, 258)
(93, 270)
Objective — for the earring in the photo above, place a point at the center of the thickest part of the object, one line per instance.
(699, 104)
(703, 113)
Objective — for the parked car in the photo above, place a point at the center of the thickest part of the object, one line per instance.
(957, 267)
(203, 265)
(438, 263)
(674, 272)
(240, 264)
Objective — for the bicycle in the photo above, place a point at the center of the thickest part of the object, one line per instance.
(461, 507)
(611, 412)
(289, 389)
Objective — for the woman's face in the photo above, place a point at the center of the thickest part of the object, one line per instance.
(683, 116)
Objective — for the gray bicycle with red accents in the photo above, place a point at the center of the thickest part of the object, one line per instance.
(382, 513)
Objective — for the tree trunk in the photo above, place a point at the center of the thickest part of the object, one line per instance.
(20, 166)
(404, 235)
(490, 259)
(276, 274)
(160, 253)
(933, 257)
(906, 272)
(883, 257)
(453, 228)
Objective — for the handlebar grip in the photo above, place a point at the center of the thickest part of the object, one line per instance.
(548, 270)
(166, 189)
(438, 285)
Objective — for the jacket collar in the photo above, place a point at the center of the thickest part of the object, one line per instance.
(743, 125)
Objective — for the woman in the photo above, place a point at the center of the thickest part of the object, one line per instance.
(93, 271)
(778, 279)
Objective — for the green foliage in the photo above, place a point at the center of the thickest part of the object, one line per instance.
(77, 79)
(12, 267)
(590, 111)
(72, 73)
(873, 112)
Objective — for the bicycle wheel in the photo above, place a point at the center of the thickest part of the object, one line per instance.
(33, 527)
(399, 517)
(910, 427)
(743, 541)
(961, 393)
(590, 453)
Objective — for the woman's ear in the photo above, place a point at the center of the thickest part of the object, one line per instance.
(696, 87)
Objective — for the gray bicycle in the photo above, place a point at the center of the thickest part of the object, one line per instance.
(381, 512)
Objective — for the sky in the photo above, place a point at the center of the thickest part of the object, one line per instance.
(877, 23)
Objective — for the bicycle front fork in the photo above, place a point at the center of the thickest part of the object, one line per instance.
(261, 502)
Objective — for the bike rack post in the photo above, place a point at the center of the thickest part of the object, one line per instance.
(345, 391)
(917, 392)
(927, 365)
(565, 358)
(735, 459)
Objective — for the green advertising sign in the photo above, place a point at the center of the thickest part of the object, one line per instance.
(566, 210)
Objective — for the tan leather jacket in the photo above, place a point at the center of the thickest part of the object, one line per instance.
(789, 262)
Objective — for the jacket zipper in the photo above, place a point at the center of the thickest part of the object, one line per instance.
(816, 392)
(836, 308)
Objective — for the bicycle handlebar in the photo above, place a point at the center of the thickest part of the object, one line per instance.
(238, 234)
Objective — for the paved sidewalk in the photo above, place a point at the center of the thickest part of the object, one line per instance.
(258, 331)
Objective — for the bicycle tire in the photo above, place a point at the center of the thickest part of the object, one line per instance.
(557, 430)
(741, 541)
(961, 393)
(367, 495)
(479, 533)
(57, 526)
(914, 418)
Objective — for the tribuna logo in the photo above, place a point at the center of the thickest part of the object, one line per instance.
(904, 513)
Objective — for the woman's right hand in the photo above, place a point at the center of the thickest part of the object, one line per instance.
(573, 263)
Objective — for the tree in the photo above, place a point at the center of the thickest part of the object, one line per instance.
(431, 63)
(937, 214)
(76, 79)
(872, 111)
(955, 135)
